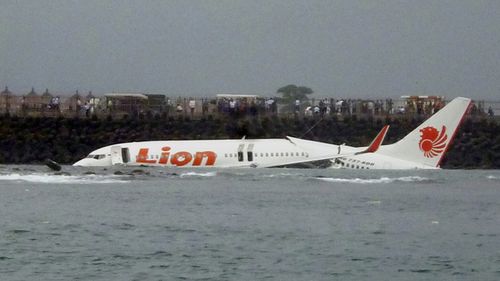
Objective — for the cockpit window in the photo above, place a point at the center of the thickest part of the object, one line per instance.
(96, 156)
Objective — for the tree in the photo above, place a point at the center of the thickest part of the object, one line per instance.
(292, 92)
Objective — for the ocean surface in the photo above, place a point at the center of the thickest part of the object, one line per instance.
(248, 224)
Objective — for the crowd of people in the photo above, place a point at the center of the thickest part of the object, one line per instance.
(370, 107)
(246, 106)
(226, 105)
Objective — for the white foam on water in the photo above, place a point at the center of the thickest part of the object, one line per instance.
(412, 179)
(379, 180)
(195, 174)
(282, 175)
(63, 179)
(490, 177)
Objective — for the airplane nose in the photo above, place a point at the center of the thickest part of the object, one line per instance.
(80, 162)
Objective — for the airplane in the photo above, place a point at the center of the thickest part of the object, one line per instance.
(423, 148)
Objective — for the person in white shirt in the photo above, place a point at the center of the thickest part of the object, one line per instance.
(192, 106)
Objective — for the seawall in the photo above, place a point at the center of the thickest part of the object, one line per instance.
(30, 140)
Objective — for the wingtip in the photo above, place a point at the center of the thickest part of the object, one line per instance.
(377, 141)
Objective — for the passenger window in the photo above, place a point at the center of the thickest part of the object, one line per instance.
(240, 156)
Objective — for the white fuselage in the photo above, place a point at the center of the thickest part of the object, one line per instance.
(239, 153)
(208, 153)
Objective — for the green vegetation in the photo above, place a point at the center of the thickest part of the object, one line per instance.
(292, 92)
(31, 140)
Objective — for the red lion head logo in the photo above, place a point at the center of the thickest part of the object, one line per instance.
(432, 141)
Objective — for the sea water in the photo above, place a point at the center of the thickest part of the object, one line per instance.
(248, 224)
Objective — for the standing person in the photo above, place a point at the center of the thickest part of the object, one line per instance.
(179, 109)
(272, 105)
(168, 106)
(338, 106)
(192, 105)
(110, 105)
(232, 106)
(204, 106)
(23, 105)
(57, 101)
(297, 106)
(87, 109)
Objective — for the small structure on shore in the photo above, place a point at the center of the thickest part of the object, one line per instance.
(126, 103)
(6, 100)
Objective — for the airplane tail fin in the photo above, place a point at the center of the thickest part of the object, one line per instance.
(428, 143)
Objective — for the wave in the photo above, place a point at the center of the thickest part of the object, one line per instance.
(371, 181)
(490, 177)
(195, 174)
(55, 179)
(282, 175)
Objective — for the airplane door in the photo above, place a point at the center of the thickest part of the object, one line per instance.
(116, 155)
(125, 155)
(240, 152)
(250, 152)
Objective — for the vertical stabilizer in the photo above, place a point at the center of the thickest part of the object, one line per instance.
(428, 143)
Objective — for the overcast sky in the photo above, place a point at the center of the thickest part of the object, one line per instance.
(338, 48)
